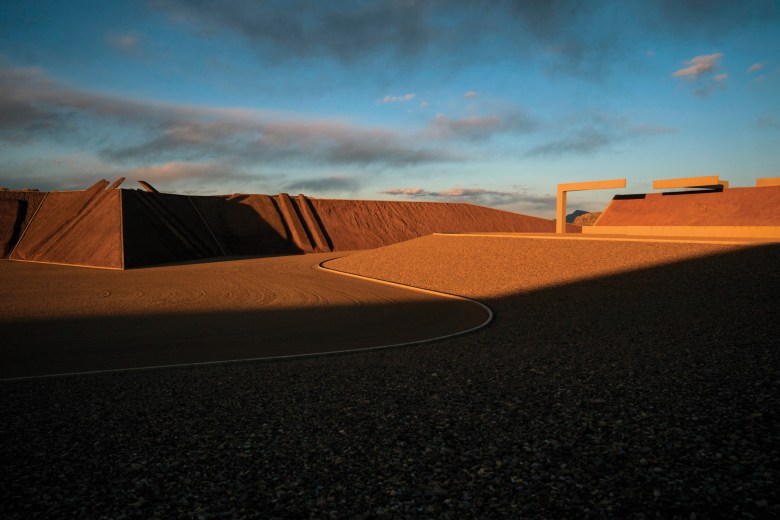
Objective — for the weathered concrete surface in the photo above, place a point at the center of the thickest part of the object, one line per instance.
(246, 224)
(366, 224)
(297, 230)
(321, 244)
(75, 227)
(731, 207)
(161, 228)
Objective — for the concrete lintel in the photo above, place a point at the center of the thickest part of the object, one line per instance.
(767, 181)
(560, 214)
(689, 182)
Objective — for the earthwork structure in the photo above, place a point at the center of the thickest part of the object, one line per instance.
(108, 227)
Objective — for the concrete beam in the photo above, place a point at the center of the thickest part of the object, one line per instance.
(767, 181)
(560, 213)
(689, 182)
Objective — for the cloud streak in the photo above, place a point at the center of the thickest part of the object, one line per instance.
(567, 36)
(479, 196)
(699, 65)
(480, 128)
(703, 72)
(398, 99)
(35, 107)
(598, 132)
(332, 184)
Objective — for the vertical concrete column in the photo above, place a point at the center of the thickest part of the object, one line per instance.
(298, 232)
(316, 231)
(560, 210)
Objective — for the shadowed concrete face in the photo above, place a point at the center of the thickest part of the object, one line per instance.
(120, 229)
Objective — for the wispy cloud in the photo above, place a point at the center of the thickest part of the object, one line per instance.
(595, 132)
(479, 196)
(471, 94)
(703, 73)
(700, 65)
(333, 184)
(755, 67)
(477, 128)
(566, 36)
(398, 99)
(768, 122)
(35, 107)
(413, 192)
(127, 43)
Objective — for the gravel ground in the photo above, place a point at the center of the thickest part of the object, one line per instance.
(647, 394)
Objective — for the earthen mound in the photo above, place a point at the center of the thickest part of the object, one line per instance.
(587, 219)
(730, 207)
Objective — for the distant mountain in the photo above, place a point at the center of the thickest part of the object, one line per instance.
(574, 214)
(587, 219)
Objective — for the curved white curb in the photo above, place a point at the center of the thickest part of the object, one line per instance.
(321, 267)
(487, 309)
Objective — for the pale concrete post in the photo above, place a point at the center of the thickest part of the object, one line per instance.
(560, 218)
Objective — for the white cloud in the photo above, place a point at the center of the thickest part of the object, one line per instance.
(700, 65)
(398, 99)
(480, 196)
(406, 191)
(471, 94)
(755, 67)
(129, 42)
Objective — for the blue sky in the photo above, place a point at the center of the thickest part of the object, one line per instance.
(492, 103)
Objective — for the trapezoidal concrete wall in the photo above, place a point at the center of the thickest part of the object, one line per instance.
(730, 207)
(75, 227)
(366, 224)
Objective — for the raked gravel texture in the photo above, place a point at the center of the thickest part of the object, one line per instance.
(645, 394)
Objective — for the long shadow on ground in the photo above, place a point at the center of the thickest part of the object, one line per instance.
(649, 393)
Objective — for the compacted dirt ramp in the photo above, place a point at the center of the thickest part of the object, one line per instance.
(61, 319)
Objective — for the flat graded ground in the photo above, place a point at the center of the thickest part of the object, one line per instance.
(618, 380)
(60, 319)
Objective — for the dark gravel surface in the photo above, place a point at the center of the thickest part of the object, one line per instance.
(651, 394)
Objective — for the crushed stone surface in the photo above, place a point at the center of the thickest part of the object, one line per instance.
(611, 393)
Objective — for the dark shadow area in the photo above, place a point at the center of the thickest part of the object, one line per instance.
(247, 224)
(160, 228)
(12, 213)
(718, 188)
(630, 196)
(40, 347)
(649, 392)
(730, 296)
